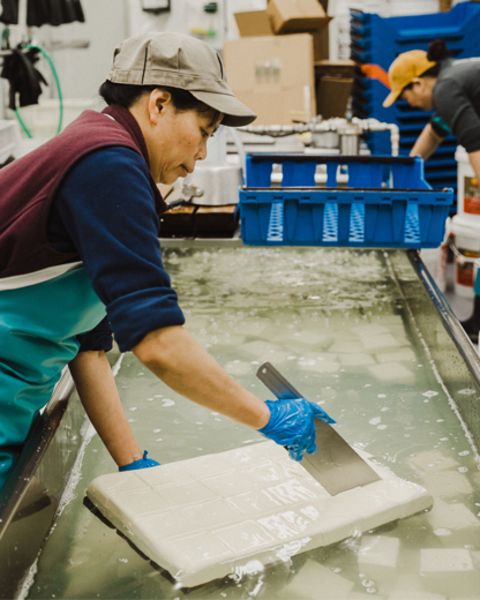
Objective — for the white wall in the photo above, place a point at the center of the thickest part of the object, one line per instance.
(83, 70)
(109, 21)
(186, 15)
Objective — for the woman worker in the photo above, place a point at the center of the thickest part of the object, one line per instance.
(431, 80)
(80, 257)
(451, 88)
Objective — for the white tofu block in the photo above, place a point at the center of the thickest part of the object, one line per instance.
(238, 368)
(431, 460)
(347, 347)
(262, 351)
(414, 595)
(250, 327)
(378, 557)
(399, 333)
(311, 338)
(454, 523)
(379, 342)
(205, 517)
(475, 477)
(450, 571)
(392, 372)
(228, 338)
(214, 334)
(362, 596)
(447, 484)
(356, 359)
(319, 364)
(314, 576)
(401, 355)
(392, 321)
(370, 329)
(301, 339)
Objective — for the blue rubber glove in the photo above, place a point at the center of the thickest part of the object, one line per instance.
(141, 463)
(292, 425)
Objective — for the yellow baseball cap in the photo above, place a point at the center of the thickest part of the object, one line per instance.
(403, 70)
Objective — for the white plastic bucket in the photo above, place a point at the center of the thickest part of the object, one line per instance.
(468, 187)
(435, 260)
(466, 248)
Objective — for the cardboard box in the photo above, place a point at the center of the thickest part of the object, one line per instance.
(274, 76)
(289, 16)
(257, 23)
(342, 68)
(333, 86)
(261, 22)
(320, 44)
(253, 23)
(333, 93)
(444, 5)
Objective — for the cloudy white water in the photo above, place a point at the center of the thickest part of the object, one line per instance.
(335, 323)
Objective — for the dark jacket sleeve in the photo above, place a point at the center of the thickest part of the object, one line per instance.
(455, 109)
(107, 209)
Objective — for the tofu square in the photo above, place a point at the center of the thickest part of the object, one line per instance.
(205, 517)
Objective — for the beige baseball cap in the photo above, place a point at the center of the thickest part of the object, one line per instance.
(179, 61)
(403, 70)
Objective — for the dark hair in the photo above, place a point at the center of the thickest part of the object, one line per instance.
(437, 52)
(125, 95)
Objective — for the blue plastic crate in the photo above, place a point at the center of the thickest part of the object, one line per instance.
(379, 39)
(386, 203)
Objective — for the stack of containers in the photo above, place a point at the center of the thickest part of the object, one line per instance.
(339, 29)
(464, 228)
(363, 201)
(379, 40)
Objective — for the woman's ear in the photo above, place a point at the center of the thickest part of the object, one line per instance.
(158, 101)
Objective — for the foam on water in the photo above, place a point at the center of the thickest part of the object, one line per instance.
(337, 325)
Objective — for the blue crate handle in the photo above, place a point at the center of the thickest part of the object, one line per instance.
(363, 171)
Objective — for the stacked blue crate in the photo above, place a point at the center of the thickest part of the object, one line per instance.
(379, 40)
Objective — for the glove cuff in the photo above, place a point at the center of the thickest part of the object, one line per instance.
(141, 463)
(272, 408)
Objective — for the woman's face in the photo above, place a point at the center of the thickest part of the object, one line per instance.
(420, 94)
(177, 139)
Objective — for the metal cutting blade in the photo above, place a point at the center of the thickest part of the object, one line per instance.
(335, 464)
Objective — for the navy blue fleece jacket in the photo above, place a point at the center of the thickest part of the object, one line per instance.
(105, 210)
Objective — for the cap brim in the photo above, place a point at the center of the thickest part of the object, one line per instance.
(391, 99)
(236, 114)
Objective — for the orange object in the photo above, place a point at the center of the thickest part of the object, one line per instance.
(376, 72)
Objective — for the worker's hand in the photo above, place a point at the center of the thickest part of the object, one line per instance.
(141, 463)
(292, 425)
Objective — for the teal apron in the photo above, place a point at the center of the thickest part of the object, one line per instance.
(38, 328)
